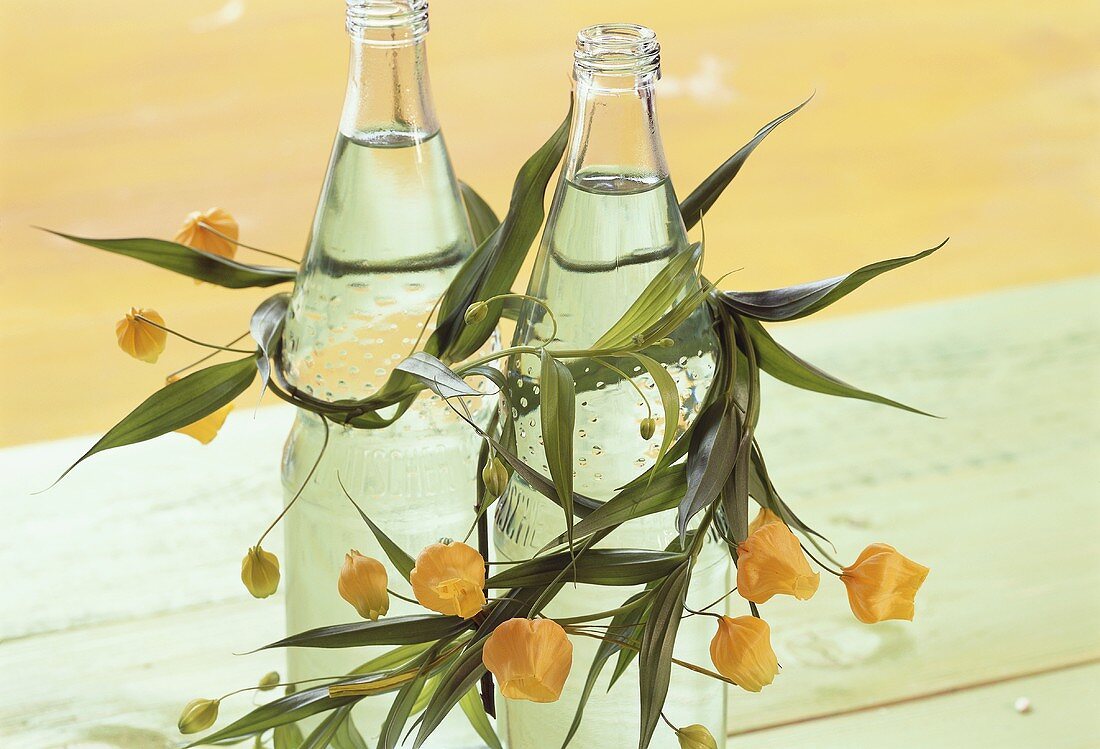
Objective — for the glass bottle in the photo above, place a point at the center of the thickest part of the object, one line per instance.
(614, 224)
(389, 234)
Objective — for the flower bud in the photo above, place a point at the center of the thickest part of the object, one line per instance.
(495, 477)
(449, 578)
(198, 715)
(476, 312)
(140, 339)
(696, 737)
(742, 652)
(882, 584)
(770, 562)
(530, 659)
(269, 681)
(764, 517)
(648, 427)
(665, 343)
(196, 232)
(363, 585)
(260, 572)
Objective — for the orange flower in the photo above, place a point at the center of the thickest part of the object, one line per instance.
(764, 517)
(449, 578)
(882, 584)
(530, 659)
(139, 338)
(770, 562)
(742, 652)
(195, 232)
(363, 585)
(260, 572)
(695, 736)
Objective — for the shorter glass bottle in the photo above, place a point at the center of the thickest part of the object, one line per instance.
(613, 225)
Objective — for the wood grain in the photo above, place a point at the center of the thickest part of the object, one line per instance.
(119, 117)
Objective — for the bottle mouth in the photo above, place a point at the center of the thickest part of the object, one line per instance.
(388, 22)
(618, 49)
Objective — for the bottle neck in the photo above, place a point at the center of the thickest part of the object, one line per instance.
(614, 132)
(389, 98)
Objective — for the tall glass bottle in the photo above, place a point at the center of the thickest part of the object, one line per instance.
(613, 225)
(389, 234)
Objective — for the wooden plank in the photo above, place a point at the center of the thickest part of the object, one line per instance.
(1062, 714)
(999, 497)
(131, 563)
(136, 113)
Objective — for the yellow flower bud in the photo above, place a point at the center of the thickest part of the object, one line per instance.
(363, 585)
(269, 681)
(696, 737)
(665, 343)
(139, 338)
(882, 584)
(530, 659)
(764, 517)
(194, 234)
(742, 652)
(198, 715)
(647, 427)
(449, 578)
(495, 477)
(476, 312)
(770, 562)
(260, 572)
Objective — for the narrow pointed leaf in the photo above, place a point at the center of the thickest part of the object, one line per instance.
(483, 221)
(399, 558)
(436, 375)
(396, 630)
(710, 460)
(462, 675)
(475, 713)
(281, 712)
(558, 415)
(325, 732)
(595, 567)
(655, 655)
(186, 261)
(348, 736)
(670, 401)
(265, 327)
(704, 196)
(794, 302)
(785, 366)
(178, 404)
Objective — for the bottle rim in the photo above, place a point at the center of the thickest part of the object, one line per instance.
(365, 17)
(617, 49)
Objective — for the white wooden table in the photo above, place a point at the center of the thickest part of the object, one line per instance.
(120, 601)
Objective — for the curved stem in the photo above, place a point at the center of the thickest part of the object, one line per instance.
(820, 564)
(209, 356)
(302, 488)
(535, 300)
(628, 378)
(192, 340)
(214, 231)
(406, 599)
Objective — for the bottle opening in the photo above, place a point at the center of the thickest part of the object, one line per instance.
(388, 22)
(618, 48)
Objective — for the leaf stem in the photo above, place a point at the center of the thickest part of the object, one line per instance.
(214, 231)
(192, 340)
(209, 356)
(302, 488)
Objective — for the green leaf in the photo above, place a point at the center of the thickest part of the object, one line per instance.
(559, 395)
(659, 295)
(483, 221)
(786, 367)
(186, 261)
(462, 675)
(710, 460)
(281, 712)
(266, 326)
(475, 713)
(793, 302)
(596, 567)
(325, 732)
(287, 737)
(399, 656)
(437, 376)
(402, 707)
(176, 405)
(396, 630)
(493, 267)
(655, 655)
(703, 197)
(398, 557)
(348, 736)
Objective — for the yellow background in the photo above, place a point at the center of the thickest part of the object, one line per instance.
(977, 120)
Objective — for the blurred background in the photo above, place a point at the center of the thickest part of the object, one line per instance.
(975, 119)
